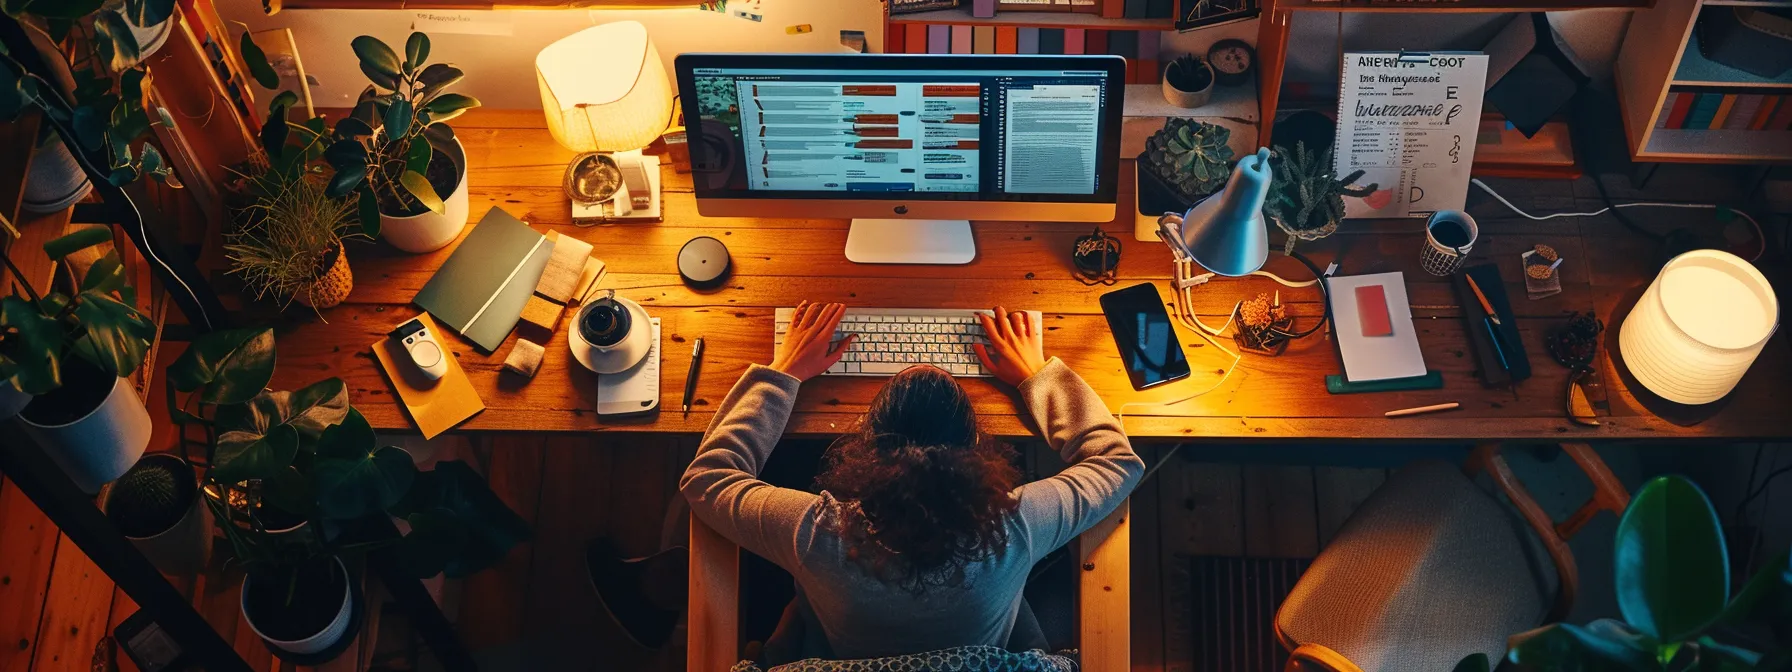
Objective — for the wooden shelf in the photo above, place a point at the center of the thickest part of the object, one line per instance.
(1462, 6)
(1748, 3)
(962, 16)
(1696, 70)
(1717, 146)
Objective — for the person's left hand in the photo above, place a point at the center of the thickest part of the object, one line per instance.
(808, 349)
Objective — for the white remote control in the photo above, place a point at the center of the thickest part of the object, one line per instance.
(426, 353)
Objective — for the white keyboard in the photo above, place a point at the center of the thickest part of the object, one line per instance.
(893, 339)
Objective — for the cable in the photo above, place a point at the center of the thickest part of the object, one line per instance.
(1615, 207)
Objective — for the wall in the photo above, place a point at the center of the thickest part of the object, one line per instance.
(500, 69)
(1316, 38)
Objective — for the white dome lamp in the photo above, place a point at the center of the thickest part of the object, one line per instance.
(1699, 327)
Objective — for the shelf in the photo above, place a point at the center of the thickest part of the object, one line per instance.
(1696, 70)
(1718, 145)
(1462, 6)
(1234, 107)
(961, 16)
(1746, 3)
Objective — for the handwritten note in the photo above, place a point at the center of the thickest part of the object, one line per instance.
(463, 23)
(1408, 121)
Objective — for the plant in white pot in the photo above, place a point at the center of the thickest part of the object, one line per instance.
(308, 456)
(69, 352)
(157, 506)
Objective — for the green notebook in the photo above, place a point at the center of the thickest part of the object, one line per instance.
(481, 290)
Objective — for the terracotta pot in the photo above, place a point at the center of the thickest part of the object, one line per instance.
(331, 289)
(429, 231)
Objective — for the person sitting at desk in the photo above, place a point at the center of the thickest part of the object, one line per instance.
(921, 537)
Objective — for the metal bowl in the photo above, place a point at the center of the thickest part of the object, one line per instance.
(592, 178)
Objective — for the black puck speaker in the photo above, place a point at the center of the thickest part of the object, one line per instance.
(703, 262)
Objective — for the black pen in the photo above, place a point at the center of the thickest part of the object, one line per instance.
(690, 379)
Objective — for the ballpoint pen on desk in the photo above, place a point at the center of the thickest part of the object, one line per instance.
(690, 379)
(1498, 348)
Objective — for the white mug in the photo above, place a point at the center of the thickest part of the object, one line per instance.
(1439, 258)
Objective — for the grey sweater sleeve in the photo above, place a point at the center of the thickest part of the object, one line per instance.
(1103, 469)
(722, 483)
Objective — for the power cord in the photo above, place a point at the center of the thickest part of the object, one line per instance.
(1616, 210)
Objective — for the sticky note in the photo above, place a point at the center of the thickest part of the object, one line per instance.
(1372, 311)
(799, 29)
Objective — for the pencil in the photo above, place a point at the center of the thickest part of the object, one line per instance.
(1421, 410)
(1483, 298)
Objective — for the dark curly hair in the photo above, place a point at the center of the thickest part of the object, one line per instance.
(923, 491)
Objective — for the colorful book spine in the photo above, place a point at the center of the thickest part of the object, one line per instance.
(983, 39)
(1125, 44)
(896, 38)
(983, 9)
(1150, 42)
(1074, 40)
(1723, 111)
(1138, 9)
(1782, 116)
(939, 39)
(1160, 9)
(1744, 112)
(1027, 41)
(1113, 9)
(1682, 105)
(1007, 40)
(1095, 41)
(916, 39)
(1703, 109)
(961, 39)
(1768, 104)
(1051, 40)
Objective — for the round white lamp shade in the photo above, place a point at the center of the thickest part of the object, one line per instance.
(604, 88)
(1699, 326)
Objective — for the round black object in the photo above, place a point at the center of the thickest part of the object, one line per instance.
(703, 262)
(606, 323)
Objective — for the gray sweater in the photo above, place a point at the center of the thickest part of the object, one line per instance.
(861, 616)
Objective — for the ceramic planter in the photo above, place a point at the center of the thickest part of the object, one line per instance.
(55, 180)
(324, 638)
(101, 443)
(331, 289)
(184, 547)
(1188, 99)
(429, 231)
(11, 400)
(1296, 235)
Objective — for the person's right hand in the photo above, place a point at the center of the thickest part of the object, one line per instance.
(1014, 348)
(808, 347)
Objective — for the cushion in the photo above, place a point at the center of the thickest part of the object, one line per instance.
(957, 659)
(1431, 568)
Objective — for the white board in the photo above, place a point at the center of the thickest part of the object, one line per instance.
(1408, 120)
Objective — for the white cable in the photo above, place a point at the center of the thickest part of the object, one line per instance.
(1759, 235)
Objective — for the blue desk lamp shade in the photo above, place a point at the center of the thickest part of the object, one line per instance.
(1225, 233)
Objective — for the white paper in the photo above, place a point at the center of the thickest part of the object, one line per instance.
(1409, 121)
(463, 23)
(1369, 358)
(636, 390)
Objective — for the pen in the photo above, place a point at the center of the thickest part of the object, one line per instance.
(690, 379)
(1483, 298)
(1498, 349)
(1422, 409)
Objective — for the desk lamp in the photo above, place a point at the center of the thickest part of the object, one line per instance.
(1225, 232)
(605, 93)
(1699, 326)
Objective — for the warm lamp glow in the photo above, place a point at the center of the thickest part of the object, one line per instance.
(1699, 326)
(604, 88)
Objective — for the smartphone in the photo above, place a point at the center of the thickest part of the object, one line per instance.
(1145, 336)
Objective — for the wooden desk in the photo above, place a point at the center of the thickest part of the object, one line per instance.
(517, 166)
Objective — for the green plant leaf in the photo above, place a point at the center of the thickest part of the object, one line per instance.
(1474, 663)
(1770, 588)
(288, 491)
(351, 127)
(56, 9)
(376, 479)
(257, 62)
(118, 46)
(283, 100)
(78, 240)
(398, 120)
(147, 13)
(450, 105)
(345, 180)
(490, 528)
(150, 162)
(36, 347)
(378, 61)
(117, 336)
(1566, 647)
(244, 455)
(231, 365)
(309, 410)
(367, 209)
(419, 188)
(274, 132)
(104, 276)
(441, 137)
(437, 77)
(436, 539)
(1672, 569)
(417, 156)
(416, 51)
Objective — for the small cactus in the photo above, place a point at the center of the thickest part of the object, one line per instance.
(1190, 156)
(148, 499)
(1307, 199)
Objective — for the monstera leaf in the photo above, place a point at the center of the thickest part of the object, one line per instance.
(228, 367)
(33, 353)
(352, 478)
(259, 437)
(458, 525)
(1673, 572)
(117, 337)
(1603, 646)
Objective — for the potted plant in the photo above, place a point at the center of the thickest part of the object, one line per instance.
(70, 353)
(278, 456)
(1188, 82)
(157, 506)
(289, 240)
(101, 93)
(1673, 586)
(1184, 162)
(395, 151)
(1306, 198)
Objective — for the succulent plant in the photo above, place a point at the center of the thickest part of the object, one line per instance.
(1190, 156)
(1189, 73)
(147, 499)
(1306, 198)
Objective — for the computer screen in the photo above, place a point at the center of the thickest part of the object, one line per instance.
(1015, 129)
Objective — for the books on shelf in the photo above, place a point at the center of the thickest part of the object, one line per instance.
(1741, 110)
(1140, 48)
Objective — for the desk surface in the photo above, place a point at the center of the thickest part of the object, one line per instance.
(517, 166)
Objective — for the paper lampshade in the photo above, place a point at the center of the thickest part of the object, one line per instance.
(1699, 326)
(604, 88)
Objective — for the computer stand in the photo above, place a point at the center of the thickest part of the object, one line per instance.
(911, 241)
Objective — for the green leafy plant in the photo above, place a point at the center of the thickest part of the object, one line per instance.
(1306, 197)
(383, 150)
(99, 323)
(289, 234)
(1673, 581)
(1191, 157)
(1189, 73)
(107, 105)
(308, 455)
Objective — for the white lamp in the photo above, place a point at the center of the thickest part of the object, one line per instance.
(605, 93)
(1699, 326)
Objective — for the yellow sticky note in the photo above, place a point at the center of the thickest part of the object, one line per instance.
(798, 29)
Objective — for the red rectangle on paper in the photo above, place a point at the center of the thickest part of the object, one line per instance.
(1372, 311)
(868, 90)
(877, 131)
(876, 118)
(949, 91)
(884, 144)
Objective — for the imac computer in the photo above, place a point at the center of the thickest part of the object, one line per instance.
(911, 147)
